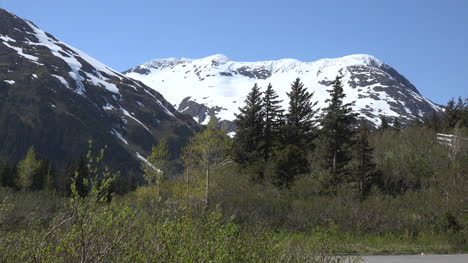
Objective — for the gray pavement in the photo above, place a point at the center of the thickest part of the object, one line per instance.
(459, 258)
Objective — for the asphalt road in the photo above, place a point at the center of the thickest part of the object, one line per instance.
(459, 258)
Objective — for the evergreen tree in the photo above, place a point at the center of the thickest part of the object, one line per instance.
(27, 168)
(417, 122)
(300, 119)
(39, 176)
(48, 182)
(11, 174)
(363, 169)
(383, 123)
(453, 113)
(158, 164)
(337, 132)
(433, 122)
(210, 151)
(248, 139)
(82, 177)
(286, 164)
(65, 179)
(272, 121)
(396, 124)
(464, 114)
(296, 131)
(3, 167)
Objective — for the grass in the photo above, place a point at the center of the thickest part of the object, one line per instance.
(339, 242)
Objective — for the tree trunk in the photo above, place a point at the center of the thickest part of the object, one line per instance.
(207, 188)
(187, 181)
(334, 163)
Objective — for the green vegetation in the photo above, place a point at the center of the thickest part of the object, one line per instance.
(282, 190)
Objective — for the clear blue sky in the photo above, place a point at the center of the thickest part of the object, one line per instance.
(427, 41)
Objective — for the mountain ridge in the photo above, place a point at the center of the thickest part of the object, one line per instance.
(377, 88)
(56, 97)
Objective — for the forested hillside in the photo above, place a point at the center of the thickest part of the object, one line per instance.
(293, 185)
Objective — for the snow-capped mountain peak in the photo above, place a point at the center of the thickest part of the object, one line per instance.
(218, 85)
(56, 97)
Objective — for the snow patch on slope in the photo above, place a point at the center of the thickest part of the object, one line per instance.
(216, 81)
(71, 58)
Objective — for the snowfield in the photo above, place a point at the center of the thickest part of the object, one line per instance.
(216, 81)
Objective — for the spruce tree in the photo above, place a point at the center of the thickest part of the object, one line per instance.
(3, 167)
(464, 114)
(300, 119)
(363, 169)
(433, 121)
(82, 177)
(337, 132)
(27, 168)
(297, 129)
(383, 123)
(272, 121)
(396, 124)
(48, 182)
(416, 122)
(453, 113)
(248, 139)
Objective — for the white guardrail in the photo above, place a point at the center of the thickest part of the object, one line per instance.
(451, 140)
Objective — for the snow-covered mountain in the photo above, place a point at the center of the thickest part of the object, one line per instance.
(216, 84)
(56, 98)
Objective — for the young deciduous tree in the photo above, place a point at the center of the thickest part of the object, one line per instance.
(27, 168)
(158, 162)
(210, 150)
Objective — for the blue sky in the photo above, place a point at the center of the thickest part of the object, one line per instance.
(427, 41)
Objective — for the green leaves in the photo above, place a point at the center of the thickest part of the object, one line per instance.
(27, 168)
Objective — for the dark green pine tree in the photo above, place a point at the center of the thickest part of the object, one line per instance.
(248, 144)
(337, 133)
(464, 114)
(383, 123)
(3, 167)
(82, 177)
(433, 122)
(273, 121)
(297, 129)
(453, 113)
(396, 124)
(363, 169)
(9, 173)
(300, 119)
(416, 122)
(65, 179)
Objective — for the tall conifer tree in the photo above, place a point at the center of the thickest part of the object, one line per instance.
(300, 119)
(363, 169)
(383, 123)
(272, 121)
(337, 132)
(248, 139)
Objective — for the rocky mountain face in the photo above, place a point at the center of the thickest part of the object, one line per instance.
(55, 97)
(217, 85)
